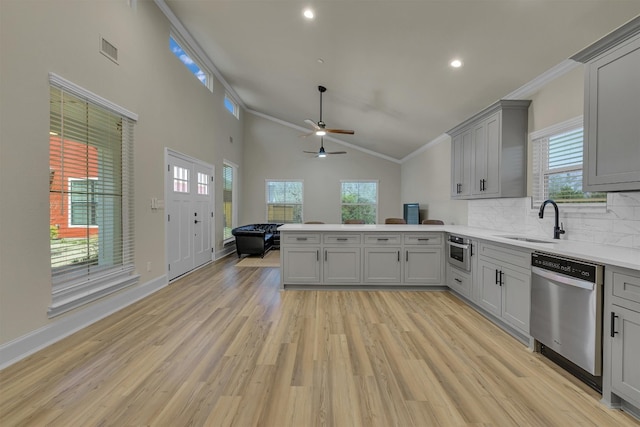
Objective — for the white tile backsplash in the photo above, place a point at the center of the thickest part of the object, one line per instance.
(617, 225)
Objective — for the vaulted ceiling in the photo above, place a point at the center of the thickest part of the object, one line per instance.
(386, 63)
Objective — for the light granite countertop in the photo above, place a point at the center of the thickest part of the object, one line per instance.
(601, 254)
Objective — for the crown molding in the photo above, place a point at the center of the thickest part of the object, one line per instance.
(193, 44)
(528, 89)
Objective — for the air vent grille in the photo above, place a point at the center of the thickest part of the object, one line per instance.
(108, 49)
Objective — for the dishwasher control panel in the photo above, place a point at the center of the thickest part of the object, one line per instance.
(569, 267)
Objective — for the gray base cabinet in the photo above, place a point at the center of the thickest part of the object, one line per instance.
(366, 259)
(489, 152)
(612, 111)
(621, 338)
(505, 284)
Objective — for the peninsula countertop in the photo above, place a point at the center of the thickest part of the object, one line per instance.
(598, 253)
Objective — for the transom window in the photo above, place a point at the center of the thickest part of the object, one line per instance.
(359, 200)
(557, 167)
(231, 105)
(284, 201)
(189, 59)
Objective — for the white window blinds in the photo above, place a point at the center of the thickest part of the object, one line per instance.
(557, 169)
(90, 199)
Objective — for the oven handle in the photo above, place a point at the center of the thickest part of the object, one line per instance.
(561, 278)
(458, 245)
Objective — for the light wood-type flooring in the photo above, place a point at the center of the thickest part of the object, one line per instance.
(224, 346)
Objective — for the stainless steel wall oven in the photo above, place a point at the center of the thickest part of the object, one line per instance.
(459, 252)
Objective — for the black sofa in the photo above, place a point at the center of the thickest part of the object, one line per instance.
(256, 239)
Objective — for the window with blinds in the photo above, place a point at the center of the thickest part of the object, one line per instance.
(284, 201)
(557, 169)
(90, 198)
(229, 209)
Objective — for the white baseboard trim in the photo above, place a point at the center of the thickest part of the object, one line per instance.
(228, 250)
(19, 348)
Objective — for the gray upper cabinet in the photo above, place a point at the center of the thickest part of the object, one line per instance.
(612, 111)
(489, 152)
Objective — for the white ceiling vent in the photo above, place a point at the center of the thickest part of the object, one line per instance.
(108, 49)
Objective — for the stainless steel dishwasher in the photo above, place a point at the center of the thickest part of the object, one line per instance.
(566, 313)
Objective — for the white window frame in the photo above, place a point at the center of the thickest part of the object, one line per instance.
(234, 198)
(357, 181)
(537, 176)
(70, 204)
(266, 191)
(186, 47)
(235, 109)
(78, 288)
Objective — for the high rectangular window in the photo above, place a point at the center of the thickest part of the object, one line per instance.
(90, 196)
(359, 200)
(189, 59)
(231, 105)
(284, 201)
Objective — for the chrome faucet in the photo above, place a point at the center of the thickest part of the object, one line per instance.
(557, 230)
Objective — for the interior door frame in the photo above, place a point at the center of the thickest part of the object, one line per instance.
(167, 191)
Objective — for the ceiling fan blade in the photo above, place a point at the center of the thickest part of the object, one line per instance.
(336, 152)
(304, 135)
(311, 152)
(312, 123)
(343, 131)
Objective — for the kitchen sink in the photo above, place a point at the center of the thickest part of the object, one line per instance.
(529, 239)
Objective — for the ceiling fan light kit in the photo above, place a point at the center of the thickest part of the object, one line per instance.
(320, 127)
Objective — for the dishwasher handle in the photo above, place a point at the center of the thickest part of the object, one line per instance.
(561, 278)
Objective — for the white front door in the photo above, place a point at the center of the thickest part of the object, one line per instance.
(189, 209)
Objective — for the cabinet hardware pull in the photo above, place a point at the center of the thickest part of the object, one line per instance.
(381, 239)
(398, 256)
(301, 238)
(501, 279)
(496, 276)
(613, 324)
(458, 280)
(423, 240)
(407, 256)
(342, 239)
(458, 188)
(317, 254)
(325, 255)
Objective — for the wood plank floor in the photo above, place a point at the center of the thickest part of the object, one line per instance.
(225, 347)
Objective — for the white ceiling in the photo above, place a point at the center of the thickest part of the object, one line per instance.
(386, 61)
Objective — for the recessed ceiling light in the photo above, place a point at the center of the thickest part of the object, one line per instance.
(308, 13)
(456, 63)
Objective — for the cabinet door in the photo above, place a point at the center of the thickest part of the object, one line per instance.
(461, 165)
(423, 266)
(490, 297)
(479, 158)
(516, 298)
(612, 120)
(491, 185)
(625, 348)
(382, 265)
(301, 265)
(341, 265)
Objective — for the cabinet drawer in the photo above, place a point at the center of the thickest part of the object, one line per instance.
(626, 286)
(459, 281)
(382, 239)
(508, 255)
(301, 238)
(423, 239)
(342, 239)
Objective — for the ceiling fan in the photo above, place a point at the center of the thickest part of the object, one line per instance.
(320, 127)
(321, 153)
